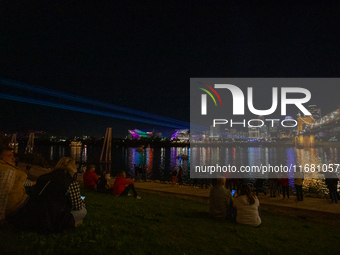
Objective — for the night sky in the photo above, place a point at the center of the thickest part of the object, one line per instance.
(142, 56)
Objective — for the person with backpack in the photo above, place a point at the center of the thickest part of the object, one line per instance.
(56, 203)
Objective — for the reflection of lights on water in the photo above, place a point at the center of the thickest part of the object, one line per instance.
(76, 153)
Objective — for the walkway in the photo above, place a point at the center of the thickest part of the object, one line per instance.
(313, 204)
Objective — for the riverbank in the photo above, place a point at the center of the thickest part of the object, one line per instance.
(164, 224)
(188, 191)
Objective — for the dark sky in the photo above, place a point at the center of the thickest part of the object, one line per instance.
(142, 56)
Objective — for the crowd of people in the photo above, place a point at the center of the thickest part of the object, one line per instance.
(54, 201)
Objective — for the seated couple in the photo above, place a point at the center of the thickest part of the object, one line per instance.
(122, 186)
(93, 182)
(55, 203)
(223, 205)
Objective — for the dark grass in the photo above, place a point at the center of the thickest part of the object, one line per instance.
(159, 224)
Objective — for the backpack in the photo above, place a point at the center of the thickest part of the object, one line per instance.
(49, 208)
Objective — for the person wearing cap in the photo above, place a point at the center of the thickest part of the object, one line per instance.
(90, 178)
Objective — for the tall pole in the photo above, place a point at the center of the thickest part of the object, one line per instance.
(30, 144)
(101, 155)
(107, 146)
(110, 141)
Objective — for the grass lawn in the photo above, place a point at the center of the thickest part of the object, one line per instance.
(159, 224)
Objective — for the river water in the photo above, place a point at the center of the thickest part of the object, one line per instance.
(160, 161)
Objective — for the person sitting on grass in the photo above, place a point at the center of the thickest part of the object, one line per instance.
(103, 186)
(248, 207)
(90, 178)
(221, 200)
(56, 203)
(122, 186)
(13, 182)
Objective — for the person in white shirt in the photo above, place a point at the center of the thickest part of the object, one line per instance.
(248, 207)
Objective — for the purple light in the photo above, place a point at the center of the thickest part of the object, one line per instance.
(174, 136)
(134, 134)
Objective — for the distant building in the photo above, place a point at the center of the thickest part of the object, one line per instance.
(136, 134)
(182, 135)
(316, 112)
(289, 130)
(254, 133)
(215, 132)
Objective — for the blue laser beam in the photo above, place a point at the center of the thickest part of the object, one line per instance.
(85, 110)
(54, 93)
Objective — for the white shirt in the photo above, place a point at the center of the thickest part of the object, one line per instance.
(247, 214)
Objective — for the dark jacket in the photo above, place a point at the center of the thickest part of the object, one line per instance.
(49, 208)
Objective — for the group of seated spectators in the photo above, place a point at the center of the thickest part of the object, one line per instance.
(245, 207)
(52, 203)
(121, 187)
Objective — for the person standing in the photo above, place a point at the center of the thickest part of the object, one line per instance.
(140, 172)
(298, 182)
(272, 179)
(332, 185)
(285, 186)
(195, 182)
(145, 171)
(174, 176)
(258, 185)
(135, 167)
(180, 176)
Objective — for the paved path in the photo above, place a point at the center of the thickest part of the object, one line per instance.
(314, 204)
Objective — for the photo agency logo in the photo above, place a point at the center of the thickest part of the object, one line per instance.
(238, 106)
(228, 114)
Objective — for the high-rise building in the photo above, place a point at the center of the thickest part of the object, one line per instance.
(215, 132)
(316, 112)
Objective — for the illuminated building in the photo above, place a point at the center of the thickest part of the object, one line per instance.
(136, 134)
(181, 134)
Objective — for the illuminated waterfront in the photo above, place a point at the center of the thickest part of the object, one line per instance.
(160, 161)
